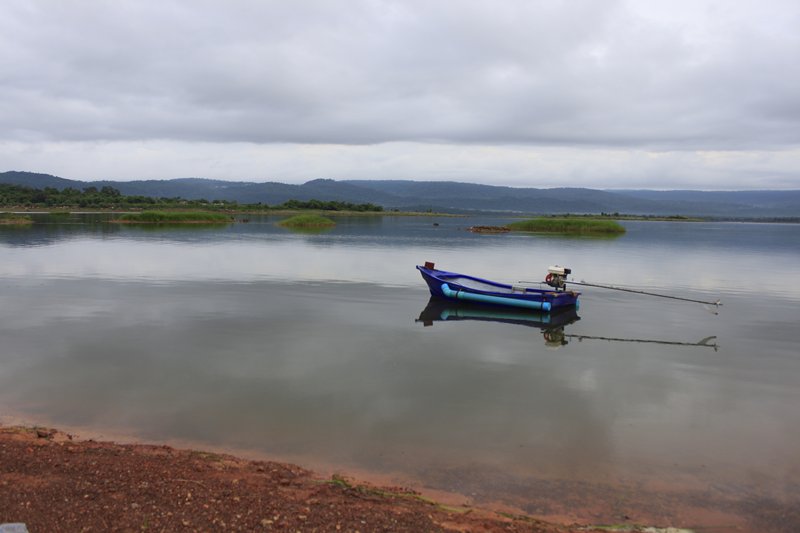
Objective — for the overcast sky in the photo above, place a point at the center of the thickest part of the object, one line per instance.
(540, 93)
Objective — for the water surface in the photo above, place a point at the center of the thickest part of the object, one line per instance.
(311, 347)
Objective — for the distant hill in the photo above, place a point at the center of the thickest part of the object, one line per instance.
(452, 196)
(37, 181)
(773, 201)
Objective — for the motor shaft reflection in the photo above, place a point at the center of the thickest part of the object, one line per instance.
(552, 325)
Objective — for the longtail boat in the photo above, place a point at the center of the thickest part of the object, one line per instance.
(462, 287)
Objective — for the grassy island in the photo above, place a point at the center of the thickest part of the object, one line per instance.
(489, 229)
(9, 219)
(307, 221)
(568, 226)
(178, 217)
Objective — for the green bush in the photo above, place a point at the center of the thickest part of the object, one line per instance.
(307, 221)
(13, 218)
(187, 217)
(571, 226)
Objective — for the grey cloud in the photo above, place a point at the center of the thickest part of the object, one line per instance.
(577, 73)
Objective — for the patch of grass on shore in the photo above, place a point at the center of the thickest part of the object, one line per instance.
(15, 219)
(163, 217)
(568, 226)
(308, 221)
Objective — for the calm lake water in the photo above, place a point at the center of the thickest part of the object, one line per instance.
(322, 349)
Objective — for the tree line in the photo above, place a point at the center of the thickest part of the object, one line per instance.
(111, 198)
(331, 205)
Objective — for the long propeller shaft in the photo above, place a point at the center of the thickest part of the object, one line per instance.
(613, 288)
(637, 291)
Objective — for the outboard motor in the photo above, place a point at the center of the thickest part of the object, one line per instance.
(557, 277)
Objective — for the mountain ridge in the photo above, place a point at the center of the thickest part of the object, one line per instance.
(450, 196)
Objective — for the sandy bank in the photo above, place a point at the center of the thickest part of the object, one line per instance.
(52, 481)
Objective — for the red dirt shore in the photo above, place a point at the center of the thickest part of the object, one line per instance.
(53, 482)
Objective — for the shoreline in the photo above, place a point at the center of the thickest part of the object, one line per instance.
(511, 215)
(31, 466)
(44, 472)
(275, 212)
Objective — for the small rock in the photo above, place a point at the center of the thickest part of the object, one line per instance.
(16, 527)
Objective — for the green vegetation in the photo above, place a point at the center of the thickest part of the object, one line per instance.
(624, 216)
(329, 206)
(14, 219)
(307, 221)
(570, 226)
(489, 229)
(664, 218)
(111, 198)
(17, 195)
(345, 484)
(91, 198)
(185, 217)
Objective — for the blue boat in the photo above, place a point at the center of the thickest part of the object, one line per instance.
(461, 287)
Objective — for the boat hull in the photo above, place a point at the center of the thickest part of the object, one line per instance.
(460, 287)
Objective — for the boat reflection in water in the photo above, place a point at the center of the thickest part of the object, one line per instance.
(551, 324)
